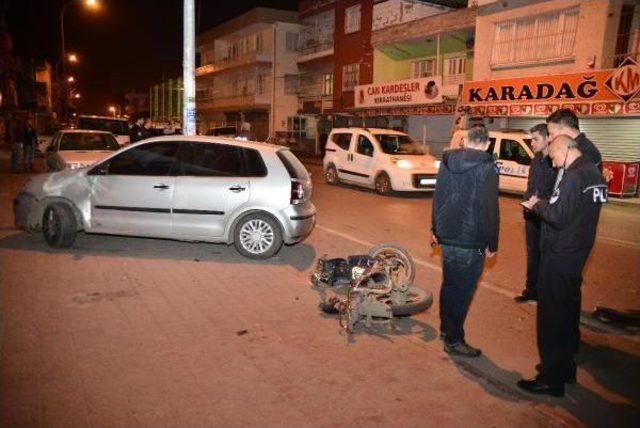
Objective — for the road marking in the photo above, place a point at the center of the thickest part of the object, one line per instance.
(620, 242)
(588, 321)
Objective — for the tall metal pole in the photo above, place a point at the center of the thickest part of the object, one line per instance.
(188, 69)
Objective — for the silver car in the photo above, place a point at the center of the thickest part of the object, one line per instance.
(77, 148)
(213, 189)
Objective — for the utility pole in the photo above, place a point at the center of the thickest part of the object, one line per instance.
(188, 69)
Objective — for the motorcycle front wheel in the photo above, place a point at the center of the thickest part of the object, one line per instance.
(418, 300)
(408, 273)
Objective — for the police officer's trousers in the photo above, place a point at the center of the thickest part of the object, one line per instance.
(558, 314)
(532, 233)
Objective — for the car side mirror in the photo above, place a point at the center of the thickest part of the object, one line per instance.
(101, 169)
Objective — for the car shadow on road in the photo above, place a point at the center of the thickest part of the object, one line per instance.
(300, 256)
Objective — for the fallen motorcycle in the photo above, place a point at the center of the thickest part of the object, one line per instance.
(370, 288)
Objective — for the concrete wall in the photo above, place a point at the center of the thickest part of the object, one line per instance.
(595, 36)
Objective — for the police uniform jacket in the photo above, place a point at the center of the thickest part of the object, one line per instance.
(571, 215)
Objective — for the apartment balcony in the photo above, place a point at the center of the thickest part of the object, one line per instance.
(234, 102)
(314, 49)
(248, 59)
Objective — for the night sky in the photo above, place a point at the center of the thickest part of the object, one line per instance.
(126, 44)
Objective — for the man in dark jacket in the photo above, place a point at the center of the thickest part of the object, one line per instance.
(565, 122)
(465, 222)
(137, 131)
(539, 183)
(570, 218)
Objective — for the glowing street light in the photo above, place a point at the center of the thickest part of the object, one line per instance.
(77, 96)
(71, 79)
(73, 58)
(112, 110)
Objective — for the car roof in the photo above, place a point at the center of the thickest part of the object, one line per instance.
(374, 131)
(83, 131)
(216, 139)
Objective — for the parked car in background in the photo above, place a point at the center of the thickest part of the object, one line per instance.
(77, 148)
(382, 159)
(119, 127)
(513, 153)
(223, 131)
(190, 188)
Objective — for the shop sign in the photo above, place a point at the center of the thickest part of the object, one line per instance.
(602, 92)
(408, 92)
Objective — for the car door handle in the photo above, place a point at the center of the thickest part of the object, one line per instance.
(161, 186)
(237, 189)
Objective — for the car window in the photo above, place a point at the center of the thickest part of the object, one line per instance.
(148, 159)
(115, 126)
(513, 151)
(86, 142)
(207, 159)
(294, 167)
(492, 144)
(364, 146)
(342, 140)
(398, 144)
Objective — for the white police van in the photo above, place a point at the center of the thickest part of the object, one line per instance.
(513, 154)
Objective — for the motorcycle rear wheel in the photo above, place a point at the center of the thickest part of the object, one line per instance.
(402, 255)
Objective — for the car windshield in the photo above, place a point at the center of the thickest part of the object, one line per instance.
(397, 144)
(81, 141)
(115, 126)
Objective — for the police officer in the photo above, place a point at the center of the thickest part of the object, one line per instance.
(565, 122)
(539, 183)
(137, 131)
(569, 220)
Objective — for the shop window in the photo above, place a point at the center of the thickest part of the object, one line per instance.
(545, 37)
(352, 19)
(424, 68)
(350, 75)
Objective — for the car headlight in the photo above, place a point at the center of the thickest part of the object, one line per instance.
(73, 165)
(436, 164)
(404, 164)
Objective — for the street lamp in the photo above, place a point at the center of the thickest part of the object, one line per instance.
(72, 58)
(112, 110)
(71, 79)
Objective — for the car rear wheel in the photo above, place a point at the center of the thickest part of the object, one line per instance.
(258, 236)
(59, 225)
(331, 175)
(383, 184)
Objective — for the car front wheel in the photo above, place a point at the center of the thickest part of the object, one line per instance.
(258, 236)
(59, 225)
(383, 184)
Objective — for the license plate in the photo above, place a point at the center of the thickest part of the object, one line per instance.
(427, 181)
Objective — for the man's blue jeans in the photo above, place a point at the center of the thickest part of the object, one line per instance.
(461, 270)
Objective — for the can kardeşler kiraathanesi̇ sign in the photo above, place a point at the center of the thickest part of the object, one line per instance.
(601, 92)
(408, 92)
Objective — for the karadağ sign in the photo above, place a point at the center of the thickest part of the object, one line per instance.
(618, 84)
(408, 92)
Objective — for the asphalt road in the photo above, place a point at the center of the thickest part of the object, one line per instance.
(121, 331)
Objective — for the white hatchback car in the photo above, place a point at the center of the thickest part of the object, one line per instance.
(513, 153)
(212, 189)
(382, 159)
(77, 148)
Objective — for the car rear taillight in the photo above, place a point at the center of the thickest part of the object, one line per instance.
(297, 192)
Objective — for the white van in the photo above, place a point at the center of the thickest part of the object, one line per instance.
(513, 153)
(382, 159)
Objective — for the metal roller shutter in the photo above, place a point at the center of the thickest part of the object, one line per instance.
(617, 138)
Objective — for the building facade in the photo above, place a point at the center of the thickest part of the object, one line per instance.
(547, 55)
(247, 76)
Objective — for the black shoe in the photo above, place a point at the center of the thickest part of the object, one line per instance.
(462, 349)
(571, 379)
(526, 296)
(537, 386)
